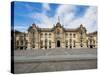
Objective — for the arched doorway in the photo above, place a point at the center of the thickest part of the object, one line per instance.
(58, 43)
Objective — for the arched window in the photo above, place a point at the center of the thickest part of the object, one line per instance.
(41, 43)
(66, 35)
(81, 39)
(94, 42)
(41, 34)
(70, 40)
(66, 43)
(33, 35)
(46, 35)
(26, 42)
(74, 43)
(70, 43)
(50, 44)
(74, 35)
(87, 43)
(70, 35)
(17, 42)
(33, 44)
(21, 42)
(45, 43)
(49, 35)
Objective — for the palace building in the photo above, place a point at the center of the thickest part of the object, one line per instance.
(55, 37)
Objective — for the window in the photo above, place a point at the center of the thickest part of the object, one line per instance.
(66, 35)
(17, 43)
(70, 40)
(81, 35)
(66, 43)
(50, 44)
(70, 35)
(33, 44)
(45, 43)
(41, 43)
(41, 34)
(74, 35)
(21, 42)
(74, 43)
(45, 34)
(26, 42)
(21, 37)
(49, 35)
(94, 42)
(87, 43)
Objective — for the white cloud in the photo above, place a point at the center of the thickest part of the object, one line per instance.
(64, 9)
(21, 28)
(89, 20)
(68, 18)
(64, 12)
(46, 6)
(44, 20)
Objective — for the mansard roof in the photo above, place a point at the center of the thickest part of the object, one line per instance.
(45, 29)
(92, 33)
(71, 30)
(57, 25)
(75, 29)
(17, 32)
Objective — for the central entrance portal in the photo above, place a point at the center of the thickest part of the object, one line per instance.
(58, 43)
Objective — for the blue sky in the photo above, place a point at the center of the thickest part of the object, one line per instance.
(46, 15)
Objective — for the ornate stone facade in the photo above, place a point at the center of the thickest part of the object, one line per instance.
(58, 36)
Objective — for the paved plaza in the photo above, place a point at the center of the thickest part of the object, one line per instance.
(58, 59)
(56, 51)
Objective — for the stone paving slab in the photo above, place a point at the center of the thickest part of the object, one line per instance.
(30, 61)
(59, 51)
(54, 58)
(32, 67)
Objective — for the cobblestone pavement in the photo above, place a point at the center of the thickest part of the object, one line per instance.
(58, 53)
(30, 67)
